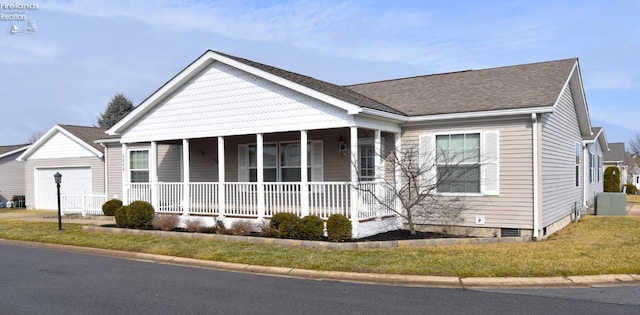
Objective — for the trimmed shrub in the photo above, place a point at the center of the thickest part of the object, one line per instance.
(121, 217)
(165, 222)
(631, 189)
(140, 214)
(242, 227)
(338, 228)
(612, 179)
(111, 206)
(311, 227)
(286, 225)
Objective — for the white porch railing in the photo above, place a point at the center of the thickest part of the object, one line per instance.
(241, 199)
(84, 204)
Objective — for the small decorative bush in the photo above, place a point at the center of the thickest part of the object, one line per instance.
(286, 225)
(165, 222)
(121, 217)
(338, 228)
(193, 225)
(631, 189)
(109, 208)
(311, 227)
(140, 214)
(265, 229)
(242, 227)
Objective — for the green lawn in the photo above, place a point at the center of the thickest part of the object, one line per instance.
(595, 245)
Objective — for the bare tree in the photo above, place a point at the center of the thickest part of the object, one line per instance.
(34, 137)
(634, 144)
(423, 175)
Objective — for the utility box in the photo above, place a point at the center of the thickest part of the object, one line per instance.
(610, 203)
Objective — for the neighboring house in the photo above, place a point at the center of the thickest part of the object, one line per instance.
(617, 156)
(11, 173)
(223, 138)
(595, 147)
(71, 151)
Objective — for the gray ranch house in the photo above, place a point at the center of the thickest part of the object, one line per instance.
(223, 138)
(11, 174)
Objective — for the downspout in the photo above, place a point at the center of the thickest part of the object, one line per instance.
(106, 166)
(585, 183)
(534, 122)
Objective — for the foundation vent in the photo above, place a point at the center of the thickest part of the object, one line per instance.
(509, 232)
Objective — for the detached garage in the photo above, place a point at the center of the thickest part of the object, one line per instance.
(71, 151)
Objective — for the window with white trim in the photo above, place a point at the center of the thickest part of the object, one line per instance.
(139, 166)
(281, 162)
(458, 163)
(592, 168)
(366, 162)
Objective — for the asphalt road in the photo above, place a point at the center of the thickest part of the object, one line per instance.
(43, 281)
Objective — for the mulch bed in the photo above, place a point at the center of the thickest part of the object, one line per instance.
(397, 235)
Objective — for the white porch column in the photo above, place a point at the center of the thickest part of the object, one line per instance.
(125, 178)
(260, 175)
(354, 178)
(153, 175)
(397, 178)
(186, 177)
(379, 169)
(304, 180)
(221, 178)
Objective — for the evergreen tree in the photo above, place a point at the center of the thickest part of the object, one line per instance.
(118, 107)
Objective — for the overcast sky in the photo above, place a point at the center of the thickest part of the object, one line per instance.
(78, 54)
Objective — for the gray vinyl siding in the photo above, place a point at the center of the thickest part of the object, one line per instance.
(114, 170)
(170, 163)
(513, 207)
(560, 133)
(11, 177)
(596, 186)
(97, 173)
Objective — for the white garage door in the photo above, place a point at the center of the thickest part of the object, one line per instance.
(75, 180)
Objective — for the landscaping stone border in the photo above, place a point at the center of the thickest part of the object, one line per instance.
(314, 244)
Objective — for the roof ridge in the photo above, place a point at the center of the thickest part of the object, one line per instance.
(458, 71)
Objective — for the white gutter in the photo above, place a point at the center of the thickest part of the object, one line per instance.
(534, 122)
(488, 113)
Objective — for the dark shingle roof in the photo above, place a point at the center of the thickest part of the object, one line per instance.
(512, 87)
(331, 89)
(88, 134)
(616, 153)
(8, 148)
(594, 133)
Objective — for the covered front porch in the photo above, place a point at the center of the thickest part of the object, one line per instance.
(256, 176)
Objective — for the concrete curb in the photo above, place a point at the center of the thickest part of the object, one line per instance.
(388, 279)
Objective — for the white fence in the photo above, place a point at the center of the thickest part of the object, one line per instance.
(243, 199)
(84, 204)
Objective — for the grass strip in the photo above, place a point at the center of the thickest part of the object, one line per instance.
(595, 245)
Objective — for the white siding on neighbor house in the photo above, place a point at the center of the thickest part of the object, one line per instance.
(222, 100)
(513, 206)
(114, 170)
(597, 185)
(60, 146)
(97, 173)
(560, 133)
(11, 177)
